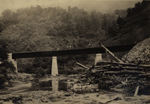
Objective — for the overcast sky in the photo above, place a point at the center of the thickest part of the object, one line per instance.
(98, 5)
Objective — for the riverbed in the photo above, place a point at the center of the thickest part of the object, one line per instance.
(64, 89)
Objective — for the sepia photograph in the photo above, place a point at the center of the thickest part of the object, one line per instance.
(74, 51)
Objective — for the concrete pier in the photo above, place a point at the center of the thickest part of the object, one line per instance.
(55, 84)
(54, 70)
(98, 58)
(14, 61)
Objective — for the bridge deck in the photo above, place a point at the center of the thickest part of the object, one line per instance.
(71, 52)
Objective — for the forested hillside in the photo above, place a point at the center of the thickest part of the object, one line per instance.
(40, 29)
(135, 27)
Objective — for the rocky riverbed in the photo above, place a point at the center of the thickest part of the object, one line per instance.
(62, 91)
(62, 97)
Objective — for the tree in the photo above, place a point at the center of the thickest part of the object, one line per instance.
(9, 17)
(129, 12)
(3, 51)
(121, 22)
(6, 67)
(114, 29)
(121, 13)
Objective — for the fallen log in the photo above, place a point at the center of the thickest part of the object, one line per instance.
(98, 71)
(145, 75)
(124, 72)
(127, 68)
(119, 68)
(111, 53)
(102, 66)
(81, 65)
(123, 64)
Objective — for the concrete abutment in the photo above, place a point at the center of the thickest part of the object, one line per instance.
(14, 61)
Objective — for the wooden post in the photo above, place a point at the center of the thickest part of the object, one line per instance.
(136, 91)
(54, 70)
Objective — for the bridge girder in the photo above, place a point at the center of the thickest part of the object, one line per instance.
(95, 50)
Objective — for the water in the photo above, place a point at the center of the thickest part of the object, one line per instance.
(70, 86)
(51, 85)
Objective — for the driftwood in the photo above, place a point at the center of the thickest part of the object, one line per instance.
(123, 64)
(81, 65)
(144, 75)
(91, 68)
(124, 72)
(102, 66)
(128, 68)
(111, 53)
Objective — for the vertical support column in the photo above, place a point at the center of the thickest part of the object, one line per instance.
(98, 58)
(14, 61)
(54, 70)
(54, 84)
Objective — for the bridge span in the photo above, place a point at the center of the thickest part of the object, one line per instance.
(120, 48)
(14, 56)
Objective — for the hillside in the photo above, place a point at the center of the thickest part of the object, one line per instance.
(41, 29)
(135, 27)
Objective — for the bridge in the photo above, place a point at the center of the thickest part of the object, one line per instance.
(71, 52)
(14, 56)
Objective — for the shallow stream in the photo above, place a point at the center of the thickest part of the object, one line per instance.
(65, 85)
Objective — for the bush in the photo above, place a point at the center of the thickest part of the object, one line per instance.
(5, 67)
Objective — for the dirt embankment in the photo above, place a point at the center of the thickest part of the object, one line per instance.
(139, 53)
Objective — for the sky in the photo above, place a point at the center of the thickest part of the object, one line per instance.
(103, 6)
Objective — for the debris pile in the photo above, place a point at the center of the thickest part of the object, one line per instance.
(120, 75)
